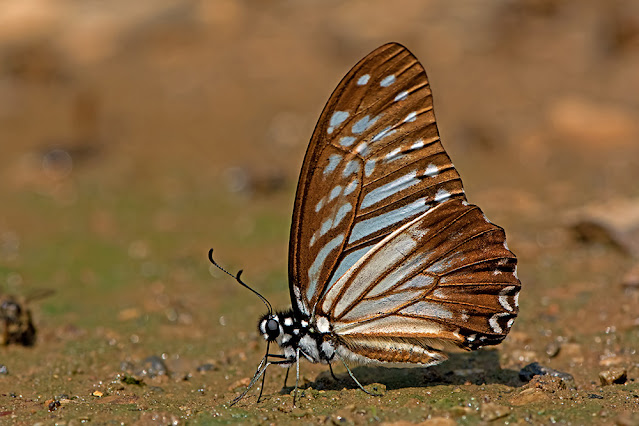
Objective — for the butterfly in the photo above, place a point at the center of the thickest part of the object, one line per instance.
(388, 262)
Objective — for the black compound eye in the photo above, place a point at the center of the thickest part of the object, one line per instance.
(272, 328)
(272, 325)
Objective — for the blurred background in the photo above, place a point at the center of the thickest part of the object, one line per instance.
(134, 136)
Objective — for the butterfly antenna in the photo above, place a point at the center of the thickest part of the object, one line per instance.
(239, 280)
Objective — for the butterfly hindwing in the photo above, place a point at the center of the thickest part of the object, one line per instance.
(374, 163)
(445, 279)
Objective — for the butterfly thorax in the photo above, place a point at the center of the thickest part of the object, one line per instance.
(295, 332)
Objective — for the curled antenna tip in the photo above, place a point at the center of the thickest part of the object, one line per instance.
(237, 278)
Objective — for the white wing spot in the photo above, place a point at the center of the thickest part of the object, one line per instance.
(341, 213)
(326, 225)
(347, 141)
(417, 145)
(369, 167)
(386, 132)
(376, 223)
(503, 298)
(401, 96)
(310, 243)
(333, 161)
(351, 168)
(390, 189)
(387, 81)
(431, 170)
(288, 321)
(363, 80)
(510, 322)
(319, 205)
(335, 192)
(411, 117)
(337, 118)
(351, 186)
(362, 149)
(394, 154)
(494, 324)
(442, 195)
(364, 124)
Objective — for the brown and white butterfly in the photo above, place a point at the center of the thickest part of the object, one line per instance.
(388, 263)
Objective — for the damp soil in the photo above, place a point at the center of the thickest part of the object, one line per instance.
(135, 138)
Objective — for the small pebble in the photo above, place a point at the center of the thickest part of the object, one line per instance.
(53, 405)
(617, 376)
(206, 367)
(552, 349)
(535, 369)
(152, 366)
(3, 369)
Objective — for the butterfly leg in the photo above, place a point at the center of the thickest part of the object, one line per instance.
(256, 377)
(350, 373)
(261, 387)
(268, 344)
(297, 377)
(286, 376)
(330, 367)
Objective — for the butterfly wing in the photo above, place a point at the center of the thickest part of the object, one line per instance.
(374, 164)
(445, 279)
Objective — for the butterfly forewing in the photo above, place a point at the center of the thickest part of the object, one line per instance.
(374, 164)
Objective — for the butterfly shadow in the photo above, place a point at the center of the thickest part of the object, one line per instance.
(479, 367)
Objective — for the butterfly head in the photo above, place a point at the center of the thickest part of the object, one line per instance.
(270, 327)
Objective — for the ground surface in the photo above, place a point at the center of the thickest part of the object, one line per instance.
(135, 136)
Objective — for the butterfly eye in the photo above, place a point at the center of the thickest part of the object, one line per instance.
(272, 329)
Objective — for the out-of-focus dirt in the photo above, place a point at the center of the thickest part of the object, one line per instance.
(136, 135)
